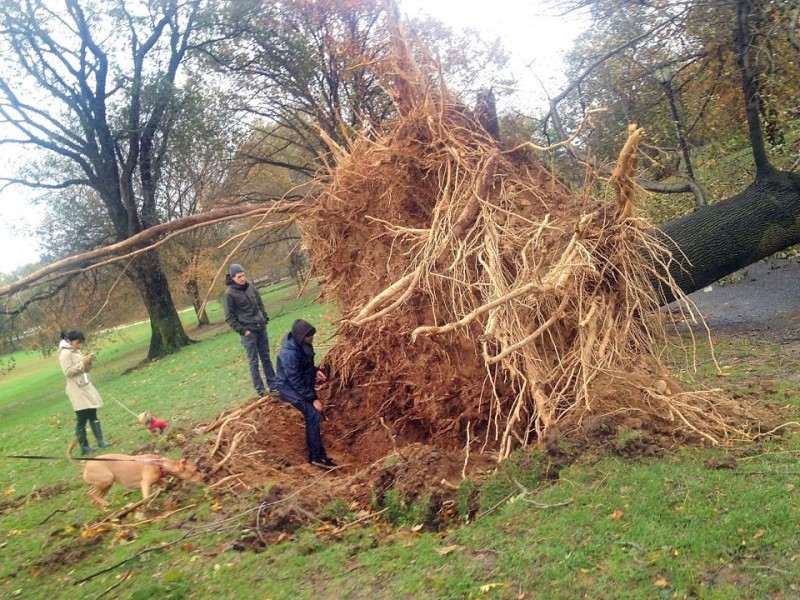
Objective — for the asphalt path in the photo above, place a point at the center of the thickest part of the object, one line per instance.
(762, 299)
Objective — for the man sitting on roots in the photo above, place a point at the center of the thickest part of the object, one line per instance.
(296, 380)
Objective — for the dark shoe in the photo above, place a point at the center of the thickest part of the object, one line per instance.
(275, 393)
(98, 434)
(261, 393)
(83, 442)
(324, 463)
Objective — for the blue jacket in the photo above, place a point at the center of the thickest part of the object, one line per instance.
(295, 373)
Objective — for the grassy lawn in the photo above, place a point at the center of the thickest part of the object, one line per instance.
(607, 528)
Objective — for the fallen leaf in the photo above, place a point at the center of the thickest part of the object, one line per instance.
(448, 550)
(616, 515)
(661, 582)
(758, 534)
(489, 586)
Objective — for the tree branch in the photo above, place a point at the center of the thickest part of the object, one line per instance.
(144, 239)
(750, 87)
(687, 186)
(48, 295)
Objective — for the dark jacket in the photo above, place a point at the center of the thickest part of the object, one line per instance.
(244, 308)
(296, 374)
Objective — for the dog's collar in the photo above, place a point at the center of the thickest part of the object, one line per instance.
(159, 462)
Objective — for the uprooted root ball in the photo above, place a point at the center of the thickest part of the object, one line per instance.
(482, 301)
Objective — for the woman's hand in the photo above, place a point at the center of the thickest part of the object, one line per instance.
(318, 405)
(87, 360)
(321, 377)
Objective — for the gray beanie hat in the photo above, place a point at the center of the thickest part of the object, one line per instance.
(234, 269)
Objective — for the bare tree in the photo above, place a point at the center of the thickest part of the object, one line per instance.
(93, 86)
(709, 243)
(305, 72)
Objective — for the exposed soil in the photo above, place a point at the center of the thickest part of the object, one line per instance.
(373, 459)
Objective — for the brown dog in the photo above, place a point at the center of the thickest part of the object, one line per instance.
(131, 471)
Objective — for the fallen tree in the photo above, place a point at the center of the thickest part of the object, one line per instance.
(708, 244)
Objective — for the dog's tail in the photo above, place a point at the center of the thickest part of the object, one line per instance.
(69, 453)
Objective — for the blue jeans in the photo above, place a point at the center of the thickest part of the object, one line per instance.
(316, 451)
(256, 345)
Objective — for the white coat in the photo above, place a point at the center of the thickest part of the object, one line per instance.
(80, 390)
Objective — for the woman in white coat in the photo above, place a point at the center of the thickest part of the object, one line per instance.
(81, 392)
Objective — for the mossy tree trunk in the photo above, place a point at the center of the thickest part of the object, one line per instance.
(724, 237)
(167, 333)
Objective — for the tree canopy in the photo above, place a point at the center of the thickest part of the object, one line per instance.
(170, 117)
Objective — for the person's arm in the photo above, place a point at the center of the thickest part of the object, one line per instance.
(69, 366)
(230, 314)
(297, 379)
(261, 306)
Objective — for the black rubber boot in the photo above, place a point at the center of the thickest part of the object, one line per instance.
(98, 433)
(83, 442)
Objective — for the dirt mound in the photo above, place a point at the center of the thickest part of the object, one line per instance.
(262, 444)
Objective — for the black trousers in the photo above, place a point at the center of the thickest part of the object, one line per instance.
(313, 436)
(84, 416)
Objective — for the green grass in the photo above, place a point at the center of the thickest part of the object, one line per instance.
(198, 383)
(603, 528)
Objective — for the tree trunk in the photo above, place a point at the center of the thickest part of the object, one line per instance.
(202, 315)
(683, 144)
(167, 334)
(724, 237)
(193, 289)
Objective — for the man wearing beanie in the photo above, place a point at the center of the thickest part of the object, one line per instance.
(245, 313)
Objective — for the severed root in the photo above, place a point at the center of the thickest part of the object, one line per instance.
(224, 418)
(623, 177)
(236, 439)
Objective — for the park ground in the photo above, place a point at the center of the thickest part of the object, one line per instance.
(623, 518)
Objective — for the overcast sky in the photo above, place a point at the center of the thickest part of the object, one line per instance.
(535, 42)
(530, 32)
